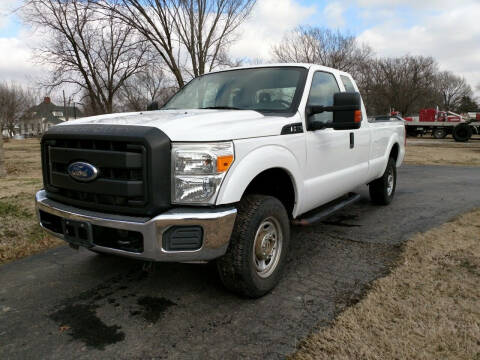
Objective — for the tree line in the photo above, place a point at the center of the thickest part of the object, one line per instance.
(407, 83)
(120, 55)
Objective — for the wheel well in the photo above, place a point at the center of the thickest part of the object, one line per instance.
(277, 183)
(394, 152)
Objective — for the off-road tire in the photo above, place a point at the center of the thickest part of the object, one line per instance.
(379, 188)
(237, 268)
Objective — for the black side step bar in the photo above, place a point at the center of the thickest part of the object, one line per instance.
(325, 211)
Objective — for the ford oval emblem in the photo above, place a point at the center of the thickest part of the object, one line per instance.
(82, 171)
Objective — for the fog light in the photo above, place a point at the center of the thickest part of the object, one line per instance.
(183, 238)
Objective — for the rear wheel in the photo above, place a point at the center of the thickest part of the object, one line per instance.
(382, 190)
(462, 132)
(258, 247)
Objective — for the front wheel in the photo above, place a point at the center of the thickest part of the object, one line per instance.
(382, 190)
(439, 133)
(258, 247)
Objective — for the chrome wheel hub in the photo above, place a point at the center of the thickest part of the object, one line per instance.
(267, 247)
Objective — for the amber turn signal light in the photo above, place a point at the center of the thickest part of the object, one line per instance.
(224, 162)
(358, 116)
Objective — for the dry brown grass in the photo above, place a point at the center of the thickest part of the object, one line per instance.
(443, 152)
(20, 235)
(427, 308)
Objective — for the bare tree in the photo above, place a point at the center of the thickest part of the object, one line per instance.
(467, 104)
(324, 47)
(190, 36)
(14, 103)
(3, 170)
(406, 83)
(452, 89)
(4, 93)
(92, 51)
(144, 88)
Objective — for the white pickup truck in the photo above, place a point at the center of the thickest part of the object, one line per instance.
(220, 172)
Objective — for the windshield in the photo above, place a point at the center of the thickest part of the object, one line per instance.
(261, 89)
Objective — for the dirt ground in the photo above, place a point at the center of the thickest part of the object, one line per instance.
(20, 235)
(428, 151)
(427, 308)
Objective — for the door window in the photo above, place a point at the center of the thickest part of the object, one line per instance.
(348, 84)
(324, 86)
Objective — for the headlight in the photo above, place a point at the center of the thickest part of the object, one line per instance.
(198, 171)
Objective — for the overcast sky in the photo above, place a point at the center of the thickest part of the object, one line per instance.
(445, 29)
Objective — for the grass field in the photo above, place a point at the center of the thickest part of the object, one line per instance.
(427, 151)
(427, 308)
(20, 235)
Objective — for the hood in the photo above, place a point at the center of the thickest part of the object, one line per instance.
(197, 125)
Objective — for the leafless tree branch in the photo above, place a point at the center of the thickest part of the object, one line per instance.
(87, 48)
(452, 89)
(324, 47)
(199, 30)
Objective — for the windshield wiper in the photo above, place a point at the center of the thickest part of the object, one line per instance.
(221, 108)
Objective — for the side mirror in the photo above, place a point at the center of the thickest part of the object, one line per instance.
(347, 114)
(153, 106)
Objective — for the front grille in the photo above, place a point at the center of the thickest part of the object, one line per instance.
(122, 174)
(128, 180)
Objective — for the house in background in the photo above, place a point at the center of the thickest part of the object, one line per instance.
(44, 115)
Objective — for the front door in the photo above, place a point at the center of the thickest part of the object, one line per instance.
(337, 160)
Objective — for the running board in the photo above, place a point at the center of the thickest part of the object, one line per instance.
(325, 211)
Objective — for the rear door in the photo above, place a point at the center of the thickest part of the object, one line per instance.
(359, 156)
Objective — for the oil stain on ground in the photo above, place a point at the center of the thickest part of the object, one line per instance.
(79, 314)
(84, 325)
(152, 307)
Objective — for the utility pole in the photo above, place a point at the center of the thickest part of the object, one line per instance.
(65, 114)
(75, 108)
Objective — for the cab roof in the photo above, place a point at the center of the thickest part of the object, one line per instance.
(304, 65)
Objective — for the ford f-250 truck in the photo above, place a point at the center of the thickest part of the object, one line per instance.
(220, 172)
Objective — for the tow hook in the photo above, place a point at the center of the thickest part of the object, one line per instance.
(148, 267)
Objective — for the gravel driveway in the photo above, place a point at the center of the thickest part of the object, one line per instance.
(69, 304)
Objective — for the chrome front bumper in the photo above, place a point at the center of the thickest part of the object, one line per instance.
(217, 225)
